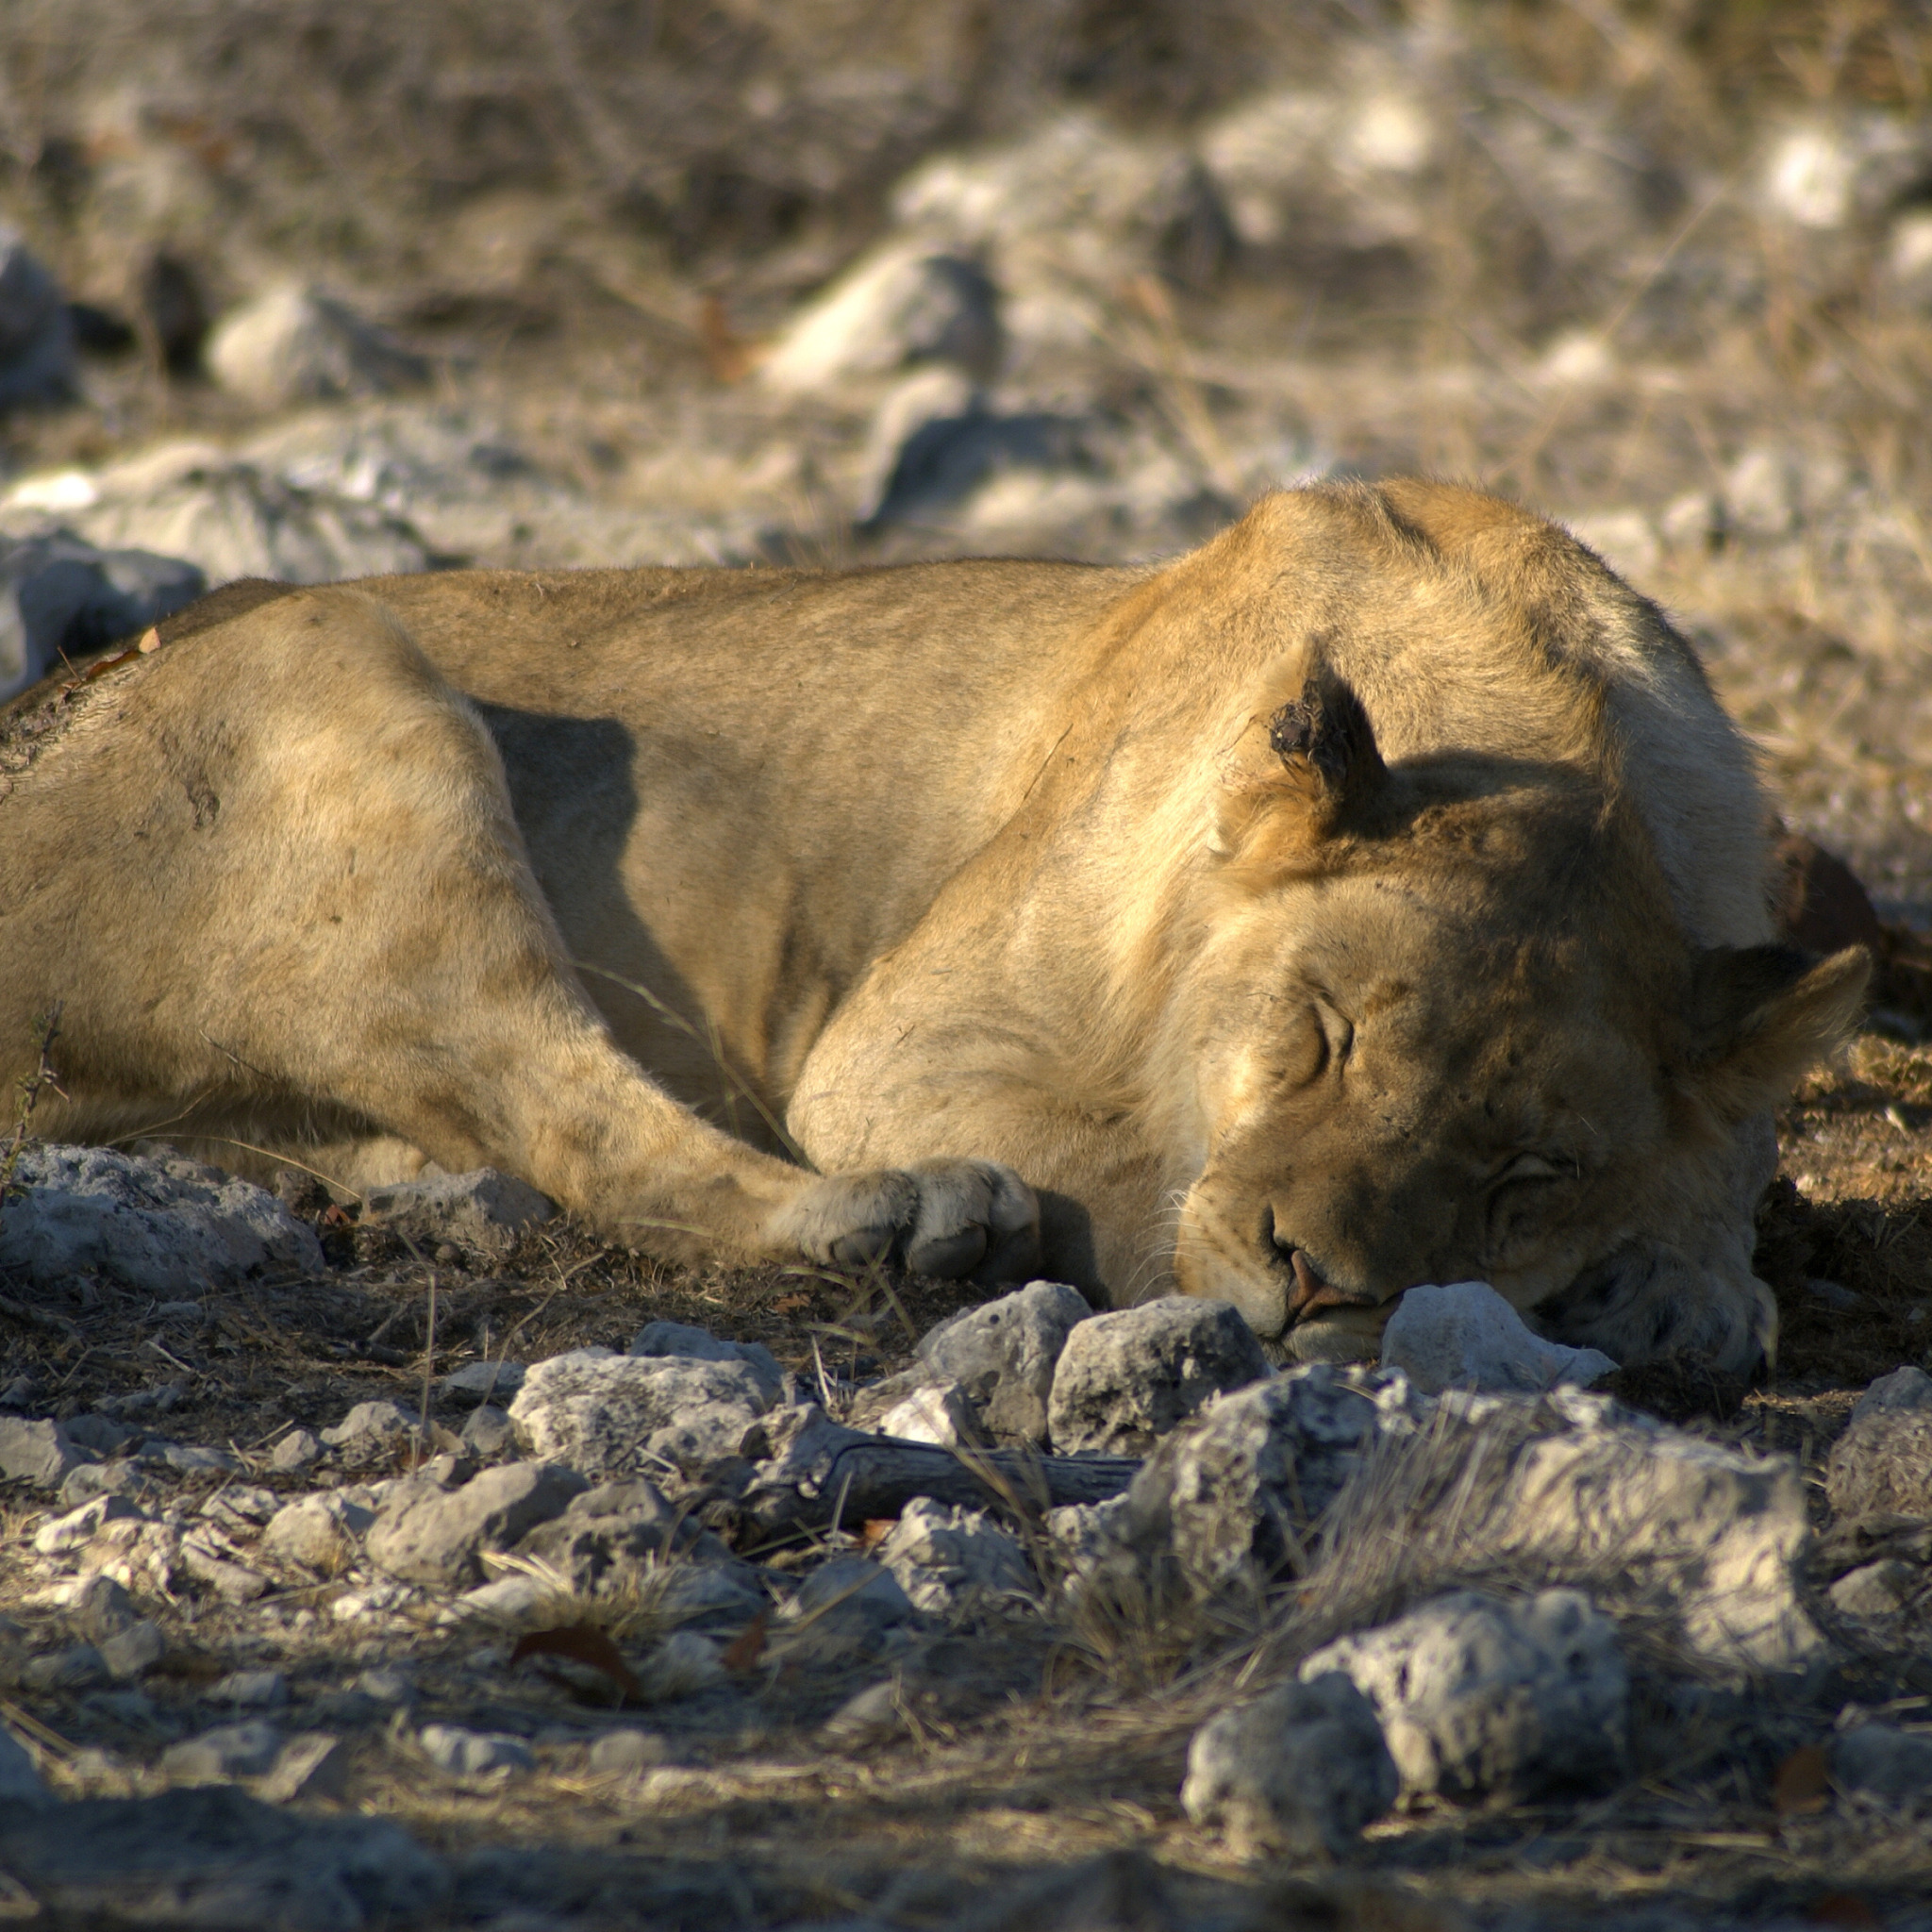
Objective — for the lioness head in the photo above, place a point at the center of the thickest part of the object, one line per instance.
(1443, 1025)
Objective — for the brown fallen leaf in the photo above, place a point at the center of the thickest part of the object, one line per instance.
(1841, 1909)
(1803, 1783)
(790, 1304)
(745, 1649)
(581, 1644)
(876, 1529)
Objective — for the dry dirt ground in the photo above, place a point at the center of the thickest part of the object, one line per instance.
(614, 369)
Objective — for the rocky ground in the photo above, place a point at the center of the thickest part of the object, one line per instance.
(345, 1584)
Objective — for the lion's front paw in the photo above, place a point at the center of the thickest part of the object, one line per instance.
(949, 1217)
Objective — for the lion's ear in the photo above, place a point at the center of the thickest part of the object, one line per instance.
(1762, 1015)
(1321, 758)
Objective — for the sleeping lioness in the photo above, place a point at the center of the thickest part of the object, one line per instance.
(1375, 897)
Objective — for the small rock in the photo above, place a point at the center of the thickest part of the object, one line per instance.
(683, 1664)
(435, 1538)
(1691, 521)
(251, 1689)
(866, 1720)
(939, 1414)
(73, 1669)
(298, 1450)
(1003, 1353)
(20, 1781)
(242, 1506)
(228, 1751)
(1882, 1465)
(101, 1609)
(190, 1458)
(387, 1683)
(1125, 1380)
(1904, 1389)
(722, 1590)
(35, 1452)
(62, 597)
(613, 1535)
(90, 1210)
(903, 304)
(482, 1213)
(373, 1430)
(1883, 1761)
(700, 1345)
(843, 1612)
(488, 1433)
(311, 1766)
(1478, 1696)
(234, 1583)
(294, 344)
(611, 1415)
(483, 1382)
(1761, 494)
(36, 330)
(1877, 1590)
(515, 1602)
(87, 1480)
(628, 1752)
(472, 1754)
(950, 1561)
(1466, 1335)
(1297, 1773)
(73, 1531)
(135, 1651)
(100, 1433)
(321, 1532)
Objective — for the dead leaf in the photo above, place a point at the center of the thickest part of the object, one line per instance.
(581, 1644)
(745, 1649)
(790, 1304)
(874, 1530)
(1803, 1783)
(150, 640)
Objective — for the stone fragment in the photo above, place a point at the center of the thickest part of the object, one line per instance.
(217, 1860)
(517, 1603)
(133, 1652)
(1904, 1389)
(1126, 1379)
(38, 1453)
(609, 1536)
(190, 1458)
(1882, 1466)
(488, 1433)
(87, 1480)
(320, 1531)
(949, 1561)
(1003, 1353)
(684, 1664)
(843, 1612)
(36, 330)
(20, 1780)
(1875, 1590)
(481, 1213)
(699, 1344)
(164, 1228)
(373, 1430)
(1297, 1773)
(630, 1751)
(1479, 1697)
(902, 304)
(435, 1537)
(73, 1669)
(242, 1506)
(725, 1592)
(251, 1689)
(298, 1450)
(100, 1433)
(62, 596)
(1233, 1491)
(1883, 1762)
(472, 1754)
(235, 1583)
(1464, 1335)
(228, 1751)
(311, 1766)
(939, 1414)
(294, 344)
(866, 1720)
(611, 1415)
(102, 1609)
(78, 1527)
(482, 1382)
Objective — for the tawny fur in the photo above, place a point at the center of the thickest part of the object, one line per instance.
(949, 876)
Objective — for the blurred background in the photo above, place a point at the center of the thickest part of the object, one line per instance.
(312, 290)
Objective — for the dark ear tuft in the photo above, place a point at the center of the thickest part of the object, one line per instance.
(1325, 742)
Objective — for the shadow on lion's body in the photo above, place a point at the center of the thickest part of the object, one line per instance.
(1374, 895)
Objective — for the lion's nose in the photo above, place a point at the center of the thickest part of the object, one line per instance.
(1311, 1292)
